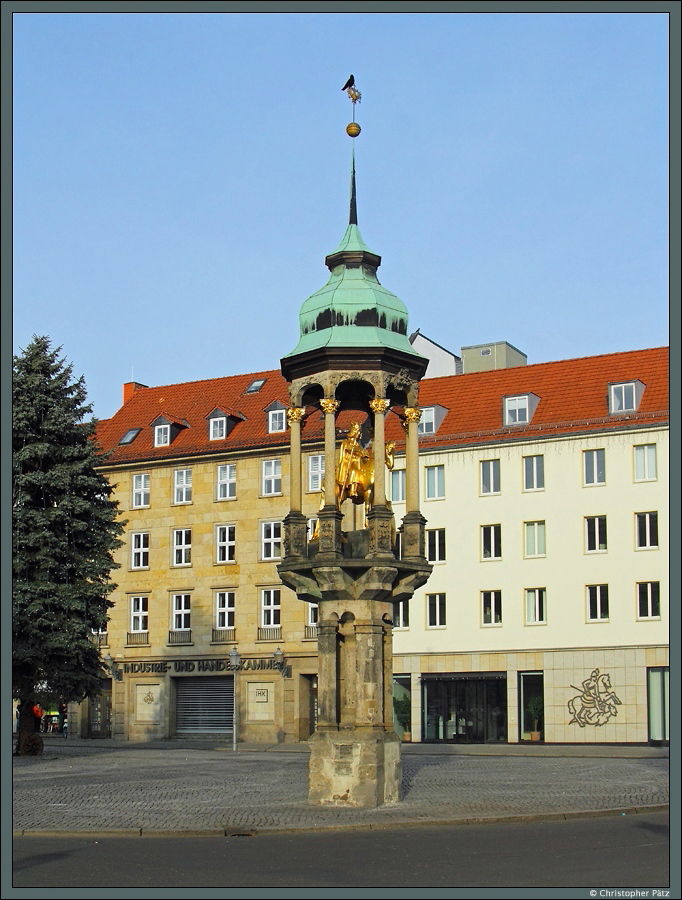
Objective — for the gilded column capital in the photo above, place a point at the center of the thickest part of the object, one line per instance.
(379, 405)
(412, 414)
(329, 405)
(295, 414)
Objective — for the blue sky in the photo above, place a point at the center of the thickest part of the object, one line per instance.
(179, 179)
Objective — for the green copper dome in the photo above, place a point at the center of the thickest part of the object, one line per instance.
(353, 309)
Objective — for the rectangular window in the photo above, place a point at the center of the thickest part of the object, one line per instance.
(313, 614)
(218, 428)
(597, 602)
(140, 491)
(316, 472)
(139, 614)
(491, 541)
(649, 599)
(270, 607)
(227, 482)
(225, 543)
(647, 530)
(436, 610)
(181, 612)
(161, 435)
(277, 420)
(435, 545)
(594, 462)
(271, 540)
(623, 397)
(183, 485)
(224, 609)
(435, 482)
(533, 473)
(397, 485)
(401, 614)
(536, 611)
(140, 550)
(595, 534)
(182, 547)
(645, 462)
(490, 476)
(491, 602)
(534, 538)
(427, 422)
(272, 477)
(515, 410)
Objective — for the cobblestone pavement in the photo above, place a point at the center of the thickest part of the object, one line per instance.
(199, 788)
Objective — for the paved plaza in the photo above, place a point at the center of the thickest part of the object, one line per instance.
(186, 787)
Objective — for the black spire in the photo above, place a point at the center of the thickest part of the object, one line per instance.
(353, 218)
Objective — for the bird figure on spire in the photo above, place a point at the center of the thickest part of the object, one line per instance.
(349, 83)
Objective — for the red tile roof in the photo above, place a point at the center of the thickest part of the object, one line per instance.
(573, 397)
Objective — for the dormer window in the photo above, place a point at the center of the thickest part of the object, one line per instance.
(427, 424)
(625, 396)
(519, 410)
(161, 435)
(277, 420)
(166, 429)
(218, 428)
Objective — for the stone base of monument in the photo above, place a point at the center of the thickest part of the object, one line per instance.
(358, 769)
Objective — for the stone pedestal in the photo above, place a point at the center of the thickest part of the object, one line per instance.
(352, 768)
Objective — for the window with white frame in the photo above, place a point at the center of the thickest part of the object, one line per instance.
(435, 545)
(427, 422)
(401, 614)
(490, 476)
(516, 410)
(139, 542)
(646, 530)
(316, 472)
(182, 547)
(226, 480)
(491, 542)
(645, 462)
(435, 482)
(595, 534)
(491, 607)
(271, 543)
(140, 491)
(397, 485)
(225, 543)
(597, 602)
(649, 600)
(435, 605)
(161, 435)
(224, 609)
(218, 428)
(182, 612)
(139, 614)
(536, 606)
(534, 473)
(313, 614)
(534, 538)
(272, 477)
(623, 397)
(270, 607)
(182, 482)
(594, 467)
(277, 420)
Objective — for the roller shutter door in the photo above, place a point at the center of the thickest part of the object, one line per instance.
(204, 705)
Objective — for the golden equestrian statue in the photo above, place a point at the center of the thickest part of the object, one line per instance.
(355, 469)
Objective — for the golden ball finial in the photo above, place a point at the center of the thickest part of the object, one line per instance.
(353, 129)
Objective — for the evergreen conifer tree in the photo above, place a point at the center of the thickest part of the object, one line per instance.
(65, 528)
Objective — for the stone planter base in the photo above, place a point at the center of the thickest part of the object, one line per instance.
(360, 769)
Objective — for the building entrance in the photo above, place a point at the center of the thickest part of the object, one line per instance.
(204, 704)
(465, 709)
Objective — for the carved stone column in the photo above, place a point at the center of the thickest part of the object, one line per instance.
(414, 537)
(380, 517)
(330, 517)
(295, 523)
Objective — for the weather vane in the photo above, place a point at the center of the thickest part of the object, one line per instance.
(355, 97)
